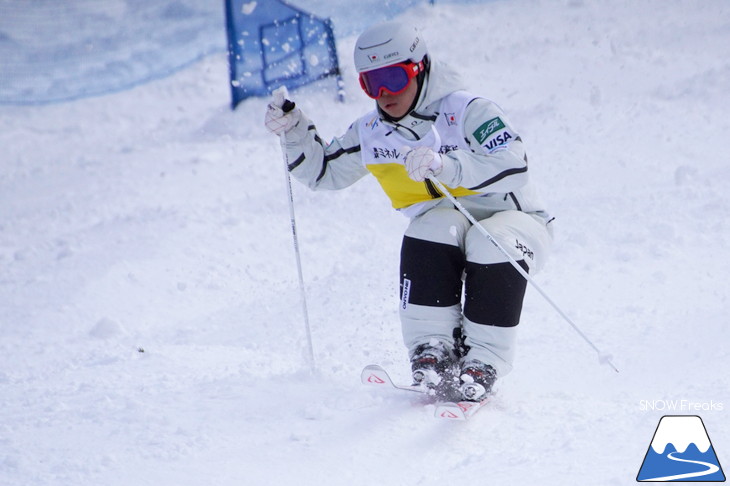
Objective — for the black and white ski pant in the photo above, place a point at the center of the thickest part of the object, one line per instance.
(451, 275)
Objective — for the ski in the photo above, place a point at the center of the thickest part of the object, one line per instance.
(458, 410)
(375, 375)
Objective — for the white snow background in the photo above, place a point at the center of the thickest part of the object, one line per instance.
(151, 330)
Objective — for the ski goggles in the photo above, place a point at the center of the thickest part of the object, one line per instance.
(392, 79)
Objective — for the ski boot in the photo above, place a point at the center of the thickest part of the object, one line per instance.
(433, 366)
(477, 380)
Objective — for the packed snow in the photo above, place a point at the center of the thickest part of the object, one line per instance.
(151, 329)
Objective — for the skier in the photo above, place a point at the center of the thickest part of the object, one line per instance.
(424, 123)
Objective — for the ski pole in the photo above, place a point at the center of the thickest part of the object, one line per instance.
(603, 358)
(288, 106)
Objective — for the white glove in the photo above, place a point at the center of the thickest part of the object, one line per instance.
(281, 114)
(421, 161)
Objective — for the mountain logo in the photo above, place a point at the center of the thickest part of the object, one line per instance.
(681, 451)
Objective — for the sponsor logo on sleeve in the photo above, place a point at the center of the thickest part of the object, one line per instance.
(497, 141)
(487, 129)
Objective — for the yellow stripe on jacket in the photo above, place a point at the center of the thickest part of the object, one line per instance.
(404, 191)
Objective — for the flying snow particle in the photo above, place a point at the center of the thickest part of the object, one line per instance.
(248, 8)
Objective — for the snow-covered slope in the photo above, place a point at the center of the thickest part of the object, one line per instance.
(150, 327)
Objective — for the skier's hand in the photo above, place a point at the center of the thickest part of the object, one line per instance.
(421, 161)
(281, 114)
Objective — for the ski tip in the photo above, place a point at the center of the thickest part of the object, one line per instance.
(375, 375)
(449, 411)
(458, 410)
(373, 367)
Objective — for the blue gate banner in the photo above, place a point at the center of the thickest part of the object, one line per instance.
(272, 44)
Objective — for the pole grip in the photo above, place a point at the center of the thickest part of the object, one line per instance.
(288, 106)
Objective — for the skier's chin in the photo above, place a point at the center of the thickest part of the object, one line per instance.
(394, 109)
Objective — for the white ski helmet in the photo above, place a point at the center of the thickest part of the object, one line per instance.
(388, 43)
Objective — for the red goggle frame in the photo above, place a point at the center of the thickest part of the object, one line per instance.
(393, 79)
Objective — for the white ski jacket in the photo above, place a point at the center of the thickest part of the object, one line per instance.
(485, 164)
